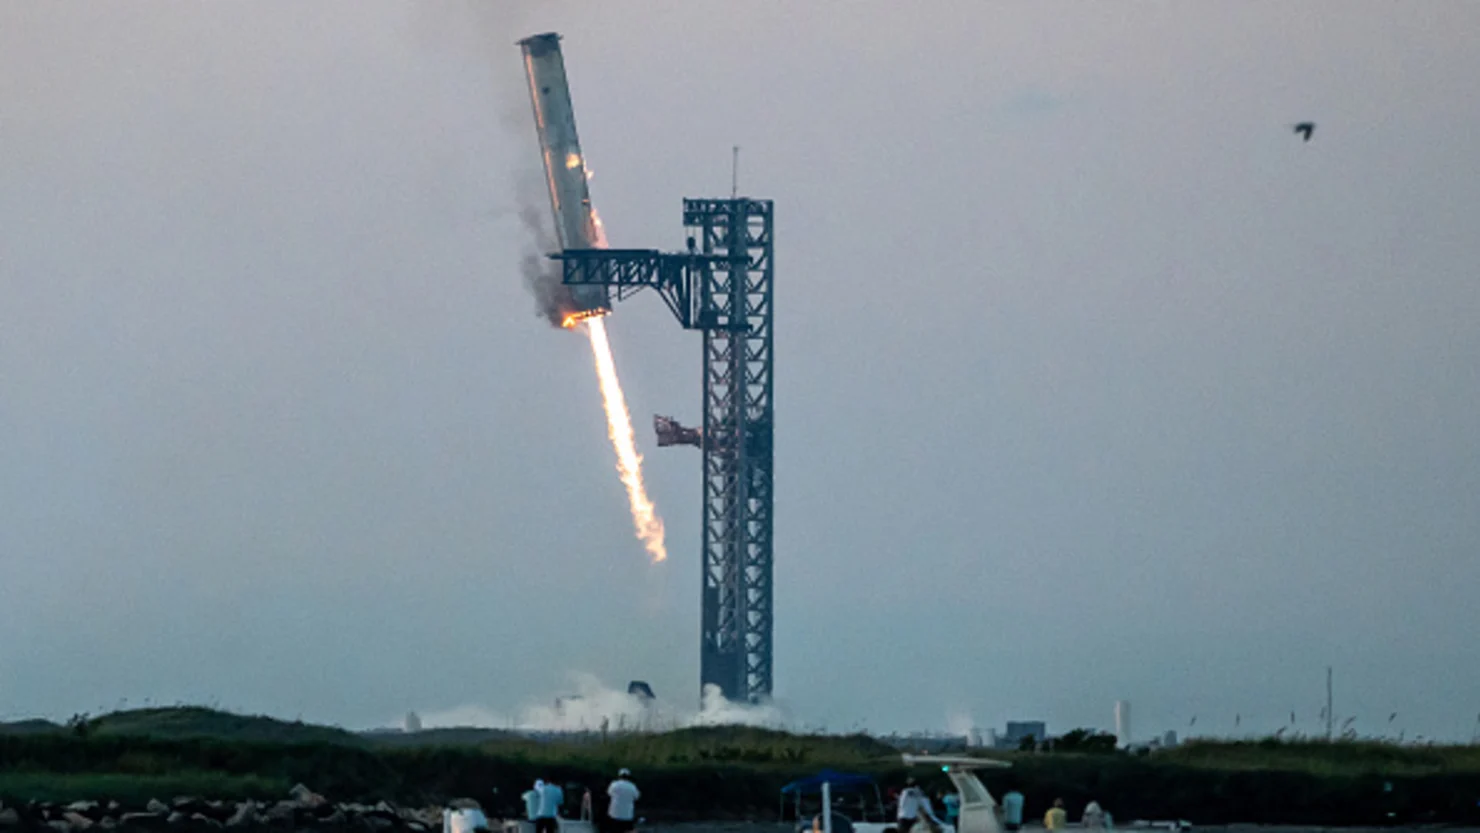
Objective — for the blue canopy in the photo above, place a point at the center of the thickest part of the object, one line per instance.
(838, 780)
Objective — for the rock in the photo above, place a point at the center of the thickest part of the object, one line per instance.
(107, 823)
(139, 819)
(190, 805)
(82, 807)
(465, 804)
(156, 806)
(378, 823)
(176, 819)
(9, 817)
(77, 821)
(416, 827)
(59, 826)
(334, 819)
(245, 815)
(282, 811)
(201, 820)
(306, 797)
(382, 810)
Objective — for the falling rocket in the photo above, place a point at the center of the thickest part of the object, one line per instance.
(576, 222)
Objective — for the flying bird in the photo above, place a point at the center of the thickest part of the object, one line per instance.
(1306, 128)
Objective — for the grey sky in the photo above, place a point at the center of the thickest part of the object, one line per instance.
(1094, 382)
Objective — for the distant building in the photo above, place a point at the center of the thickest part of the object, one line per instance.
(641, 690)
(1169, 739)
(413, 722)
(1020, 730)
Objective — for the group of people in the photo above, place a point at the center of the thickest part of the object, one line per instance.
(542, 805)
(1057, 818)
(915, 808)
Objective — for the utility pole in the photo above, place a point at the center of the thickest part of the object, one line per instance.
(1331, 715)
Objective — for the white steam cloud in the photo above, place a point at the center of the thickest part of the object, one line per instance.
(593, 705)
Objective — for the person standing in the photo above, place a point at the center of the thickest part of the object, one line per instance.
(622, 810)
(913, 804)
(1012, 810)
(1056, 818)
(532, 801)
(950, 803)
(1094, 817)
(547, 819)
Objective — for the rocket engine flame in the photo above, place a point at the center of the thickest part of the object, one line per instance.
(577, 226)
(619, 427)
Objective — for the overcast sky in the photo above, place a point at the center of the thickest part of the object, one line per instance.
(1093, 381)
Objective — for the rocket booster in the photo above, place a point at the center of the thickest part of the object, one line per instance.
(565, 168)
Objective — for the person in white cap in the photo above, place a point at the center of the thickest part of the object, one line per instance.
(622, 811)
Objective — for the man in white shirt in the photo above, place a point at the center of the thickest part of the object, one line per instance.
(913, 803)
(622, 811)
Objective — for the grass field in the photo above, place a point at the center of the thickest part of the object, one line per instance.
(712, 773)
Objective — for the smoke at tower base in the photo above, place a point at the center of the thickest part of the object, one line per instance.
(592, 702)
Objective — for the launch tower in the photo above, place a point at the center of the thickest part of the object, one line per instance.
(722, 286)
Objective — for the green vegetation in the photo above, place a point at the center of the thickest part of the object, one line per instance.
(714, 773)
(1338, 758)
(196, 722)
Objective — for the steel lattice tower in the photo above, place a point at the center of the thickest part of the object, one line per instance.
(736, 306)
(723, 287)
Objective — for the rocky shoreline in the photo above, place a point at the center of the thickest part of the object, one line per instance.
(303, 809)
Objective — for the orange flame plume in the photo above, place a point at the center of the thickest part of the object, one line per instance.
(619, 427)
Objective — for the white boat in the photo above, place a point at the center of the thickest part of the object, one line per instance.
(978, 812)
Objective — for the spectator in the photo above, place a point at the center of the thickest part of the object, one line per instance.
(532, 801)
(1056, 818)
(547, 819)
(1094, 817)
(1012, 810)
(952, 804)
(622, 811)
(913, 804)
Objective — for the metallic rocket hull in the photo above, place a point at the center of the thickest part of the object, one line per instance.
(576, 226)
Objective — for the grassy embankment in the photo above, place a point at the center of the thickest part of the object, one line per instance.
(713, 773)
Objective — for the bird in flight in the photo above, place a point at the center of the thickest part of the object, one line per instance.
(1306, 128)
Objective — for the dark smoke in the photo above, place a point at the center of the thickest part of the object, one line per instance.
(490, 28)
(541, 274)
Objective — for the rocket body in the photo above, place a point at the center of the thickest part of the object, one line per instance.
(576, 226)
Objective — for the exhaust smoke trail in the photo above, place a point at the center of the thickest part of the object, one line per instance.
(619, 427)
